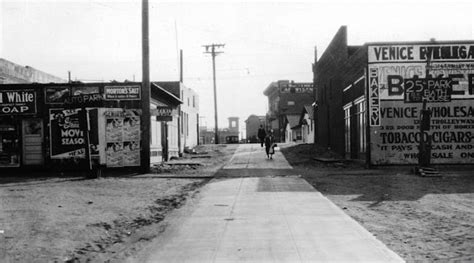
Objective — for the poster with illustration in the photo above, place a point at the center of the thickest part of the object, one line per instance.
(114, 129)
(67, 137)
(131, 153)
(131, 128)
(114, 153)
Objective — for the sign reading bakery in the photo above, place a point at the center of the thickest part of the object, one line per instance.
(17, 102)
(122, 92)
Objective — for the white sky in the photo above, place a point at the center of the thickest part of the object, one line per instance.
(100, 40)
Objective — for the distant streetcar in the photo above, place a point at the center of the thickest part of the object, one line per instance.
(232, 139)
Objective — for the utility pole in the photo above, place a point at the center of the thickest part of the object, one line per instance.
(211, 49)
(145, 100)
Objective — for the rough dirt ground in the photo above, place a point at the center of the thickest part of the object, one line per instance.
(75, 219)
(420, 218)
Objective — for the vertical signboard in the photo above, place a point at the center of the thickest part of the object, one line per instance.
(122, 136)
(66, 134)
(403, 75)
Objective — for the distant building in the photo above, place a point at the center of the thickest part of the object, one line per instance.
(252, 124)
(226, 135)
(307, 124)
(286, 98)
(11, 73)
(230, 134)
(292, 128)
(188, 124)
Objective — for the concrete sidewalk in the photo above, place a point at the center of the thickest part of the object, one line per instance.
(266, 219)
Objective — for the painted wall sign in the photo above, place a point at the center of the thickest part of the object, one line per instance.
(420, 52)
(16, 102)
(406, 74)
(122, 92)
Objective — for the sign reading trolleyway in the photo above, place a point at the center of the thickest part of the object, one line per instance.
(400, 76)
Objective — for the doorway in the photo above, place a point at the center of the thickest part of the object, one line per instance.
(32, 130)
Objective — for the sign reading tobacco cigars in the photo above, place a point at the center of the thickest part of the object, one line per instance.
(399, 78)
(17, 102)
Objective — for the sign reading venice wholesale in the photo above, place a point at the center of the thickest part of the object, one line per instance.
(403, 75)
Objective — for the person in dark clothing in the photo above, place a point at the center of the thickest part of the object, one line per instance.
(261, 135)
(270, 144)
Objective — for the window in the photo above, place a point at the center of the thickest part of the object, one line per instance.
(347, 128)
(361, 125)
(188, 102)
(194, 102)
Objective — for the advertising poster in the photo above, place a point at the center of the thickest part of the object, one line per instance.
(402, 76)
(15, 102)
(113, 128)
(66, 136)
(131, 126)
(56, 95)
(114, 154)
(122, 92)
(122, 138)
(131, 153)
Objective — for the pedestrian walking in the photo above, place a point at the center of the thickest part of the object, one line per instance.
(261, 135)
(270, 144)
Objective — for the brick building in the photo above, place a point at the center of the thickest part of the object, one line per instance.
(369, 100)
(330, 79)
(252, 124)
(286, 99)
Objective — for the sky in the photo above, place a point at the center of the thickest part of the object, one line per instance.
(265, 41)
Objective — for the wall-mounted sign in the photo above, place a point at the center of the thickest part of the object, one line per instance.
(66, 134)
(122, 135)
(122, 92)
(399, 78)
(56, 95)
(14, 102)
(296, 88)
(162, 113)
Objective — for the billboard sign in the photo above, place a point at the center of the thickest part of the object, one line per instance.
(66, 134)
(399, 78)
(122, 92)
(17, 102)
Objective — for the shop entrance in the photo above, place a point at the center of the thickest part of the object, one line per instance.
(32, 142)
(9, 144)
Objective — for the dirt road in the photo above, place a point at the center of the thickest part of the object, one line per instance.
(77, 219)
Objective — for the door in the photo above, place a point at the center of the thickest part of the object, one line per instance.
(33, 142)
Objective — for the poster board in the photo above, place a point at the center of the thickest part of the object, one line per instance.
(399, 77)
(122, 137)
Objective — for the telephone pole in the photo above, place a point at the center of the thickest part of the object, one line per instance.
(211, 49)
(145, 100)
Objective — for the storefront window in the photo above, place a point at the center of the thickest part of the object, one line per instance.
(9, 146)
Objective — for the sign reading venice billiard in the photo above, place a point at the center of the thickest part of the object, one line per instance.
(16, 102)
